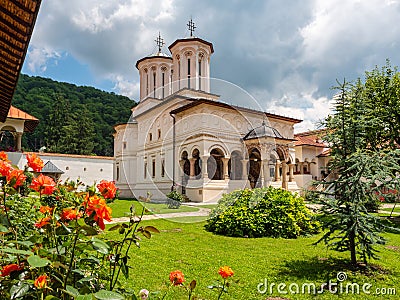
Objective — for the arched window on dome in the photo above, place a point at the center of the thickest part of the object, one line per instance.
(154, 84)
(188, 77)
(147, 82)
(163, 70)
(199, 74)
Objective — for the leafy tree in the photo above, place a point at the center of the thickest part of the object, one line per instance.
(59, 117)
(40, 96)
(365, 160)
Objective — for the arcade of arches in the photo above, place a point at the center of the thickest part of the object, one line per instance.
(218, 166)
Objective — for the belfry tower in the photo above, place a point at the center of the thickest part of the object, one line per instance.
(188, 66)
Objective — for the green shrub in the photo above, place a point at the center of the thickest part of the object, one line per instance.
(175, 199)
(263, 212)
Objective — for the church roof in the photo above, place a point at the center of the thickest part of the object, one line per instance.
(263, 131)
(49, 167)
(192, 39)
(154, 55)
(17, 20)
(30, 121)
(195, 102)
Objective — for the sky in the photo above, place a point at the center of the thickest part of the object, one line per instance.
(286, 55)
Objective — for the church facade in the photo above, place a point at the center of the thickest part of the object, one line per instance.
(181, 136)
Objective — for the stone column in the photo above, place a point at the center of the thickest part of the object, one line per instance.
(284, 176)
(291, 175)
(182, 164)
(277, 175)
(244, 169)
(225, 168)
(18, 138)
(301, 168)
(267, 179)
(192, 161)
(261, 175)
(204, 171)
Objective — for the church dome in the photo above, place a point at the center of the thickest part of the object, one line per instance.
(263, 131)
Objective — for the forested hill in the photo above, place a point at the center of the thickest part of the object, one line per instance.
(73, 119)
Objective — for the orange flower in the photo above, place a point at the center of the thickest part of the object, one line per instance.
(69, 214)
(34, 162)
(42, 222)
(225, 272)
(3, 156)
(6, 270)
(107, 189)
(16, 178)
(99, 207)
(176, 277)
(46, 209)
(41, 281)
(5, 168)
(43, 184)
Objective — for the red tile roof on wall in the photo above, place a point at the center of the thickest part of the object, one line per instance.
(309, 138)
(30, 121)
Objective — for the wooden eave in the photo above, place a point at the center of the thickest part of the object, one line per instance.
(17, 20)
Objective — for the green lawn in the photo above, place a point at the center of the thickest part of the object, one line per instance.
(120, 208)
(389, 209)
(199, 254)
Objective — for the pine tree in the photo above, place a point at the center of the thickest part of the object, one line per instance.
(364, 163)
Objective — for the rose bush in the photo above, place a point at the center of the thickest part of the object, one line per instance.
(50, 247)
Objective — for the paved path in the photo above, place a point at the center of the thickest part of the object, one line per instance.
(202, 212)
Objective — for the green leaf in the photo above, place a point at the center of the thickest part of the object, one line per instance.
(16, 251)
(152, 229)
(115, 227)
(89, 230)
(51, 297)
(100, 246)
(85, 297)
(19, 290)
(70, 290)
(108, 295)
(3, 229)
(146, 233)
(38, 262)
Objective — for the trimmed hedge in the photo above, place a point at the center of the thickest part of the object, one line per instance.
(262, 212)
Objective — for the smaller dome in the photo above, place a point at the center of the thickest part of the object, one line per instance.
(263, 131)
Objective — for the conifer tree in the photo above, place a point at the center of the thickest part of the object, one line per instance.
(364, 163)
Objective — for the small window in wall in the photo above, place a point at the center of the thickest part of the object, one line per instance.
(84, 169)
(159, 133)
(145, 170)
(150, 137)
(67, 168)
(163, 168)
(101, 170)
(117, 175)
(124, 145)
(153, 173)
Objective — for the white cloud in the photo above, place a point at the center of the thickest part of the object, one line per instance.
(286, 54)
(37, 58)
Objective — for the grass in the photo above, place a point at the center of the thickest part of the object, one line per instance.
(389, 209)
(120, 208)
(199, 254)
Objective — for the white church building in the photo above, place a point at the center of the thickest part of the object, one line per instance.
(181, 136)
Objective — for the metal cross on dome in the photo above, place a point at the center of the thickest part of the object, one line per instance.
(159, 41)
(191, 26)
